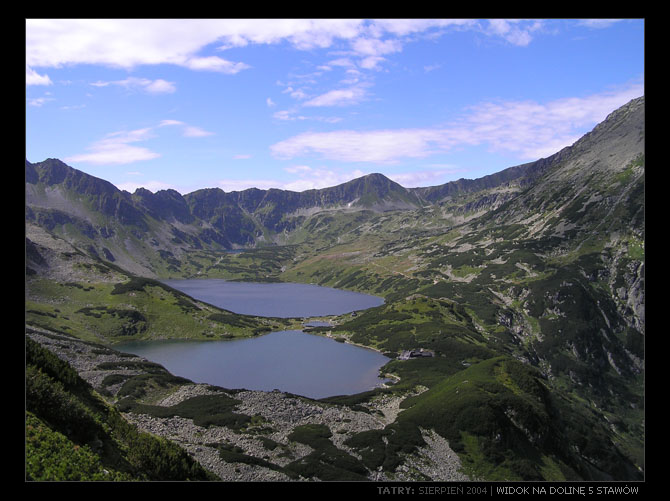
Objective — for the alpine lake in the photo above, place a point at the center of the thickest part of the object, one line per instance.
(289, 361)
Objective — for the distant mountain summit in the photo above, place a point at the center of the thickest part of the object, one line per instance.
(374, 191)
(135, 227)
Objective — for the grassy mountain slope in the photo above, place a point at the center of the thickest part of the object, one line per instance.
(68, 291)
(553, 277)
(73, 434)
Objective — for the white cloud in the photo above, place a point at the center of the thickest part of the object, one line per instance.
(298, 94)
(116, 148)
(330, 120)
(515, 31)
(371, 62)
(73, 107)
(531, 130)
(296, 169)
(158, 86)
(403, 27)
(128, 43)
(375, 47)
(343, 62)
(598, 23)
(358, 45)
(187, 130)
(113, 154)
(306, 34)
(431, 177)
(34, 78)
(292, 114)
(286, 115)
(338, 97)
(270, 103)
(124, 43)
(214, 63)
(191, 131)
(526, 130)
(380, 146)
(39, 101)
(165, 123)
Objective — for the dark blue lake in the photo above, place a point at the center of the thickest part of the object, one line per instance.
(290, 361)
(286, 300)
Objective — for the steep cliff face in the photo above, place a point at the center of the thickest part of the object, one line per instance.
(166, 205)
(520, 175)
(588, 208)
(60, 181)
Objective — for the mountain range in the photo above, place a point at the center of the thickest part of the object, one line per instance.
(527, 284)
(97, 211)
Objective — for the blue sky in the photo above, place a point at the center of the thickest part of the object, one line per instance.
(301, 104)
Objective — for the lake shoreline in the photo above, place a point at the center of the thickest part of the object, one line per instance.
(293, 361)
